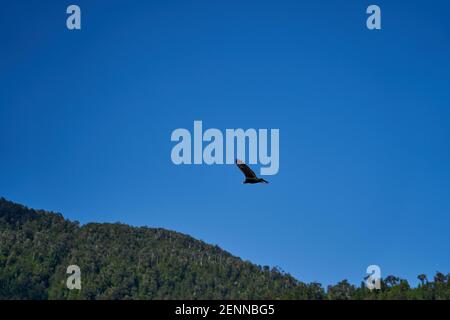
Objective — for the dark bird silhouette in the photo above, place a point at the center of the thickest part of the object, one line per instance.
(250, 176)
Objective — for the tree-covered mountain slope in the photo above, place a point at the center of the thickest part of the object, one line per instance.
(122, 262)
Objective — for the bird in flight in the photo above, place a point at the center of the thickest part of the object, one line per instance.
(250, 176)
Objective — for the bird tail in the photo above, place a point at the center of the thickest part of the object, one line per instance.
(264, 181)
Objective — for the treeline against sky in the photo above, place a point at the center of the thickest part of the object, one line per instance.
(122, 262)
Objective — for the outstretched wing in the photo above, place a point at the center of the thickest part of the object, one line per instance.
(249, 174)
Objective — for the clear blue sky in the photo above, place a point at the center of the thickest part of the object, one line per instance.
(364, 119)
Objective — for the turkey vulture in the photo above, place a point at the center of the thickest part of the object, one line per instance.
(250, 176)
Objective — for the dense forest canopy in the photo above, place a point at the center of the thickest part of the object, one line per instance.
(122, 262)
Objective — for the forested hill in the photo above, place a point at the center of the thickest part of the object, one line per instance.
(122, 262)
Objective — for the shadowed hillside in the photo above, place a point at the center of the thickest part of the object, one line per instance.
(122, 262)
